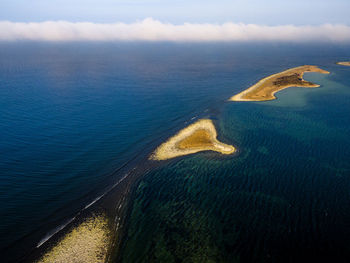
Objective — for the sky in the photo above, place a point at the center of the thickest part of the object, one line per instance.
(226, 20)
(267, 12)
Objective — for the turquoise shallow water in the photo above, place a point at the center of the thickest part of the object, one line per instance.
(72, 114)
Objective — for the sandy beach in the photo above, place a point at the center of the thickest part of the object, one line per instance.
(266, 88)
(199, 136)
(344, 63)
(88, 242)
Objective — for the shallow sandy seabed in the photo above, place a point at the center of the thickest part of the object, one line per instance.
(267, 87)
(88, 242)
(197, 137)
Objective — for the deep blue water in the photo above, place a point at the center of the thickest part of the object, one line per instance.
(73, 113)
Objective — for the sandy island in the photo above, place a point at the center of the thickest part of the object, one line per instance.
(344, 63)
(267, 87)
(88, 242)
(199, 136)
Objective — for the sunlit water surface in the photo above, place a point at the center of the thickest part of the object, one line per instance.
(71, 114)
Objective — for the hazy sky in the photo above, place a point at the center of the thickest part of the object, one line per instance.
(262, 12)
(184, 20)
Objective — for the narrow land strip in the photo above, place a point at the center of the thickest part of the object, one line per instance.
(266, 88)
(344, 63)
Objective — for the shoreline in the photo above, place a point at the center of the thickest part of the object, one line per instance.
(197, 137)
(344, 63)
(88, 242)
(266, 88)
(114, 203)
(119, 196)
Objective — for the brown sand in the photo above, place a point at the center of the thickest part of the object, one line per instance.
(199, 136)
(87, 243)
(267, 87)
(345, 63)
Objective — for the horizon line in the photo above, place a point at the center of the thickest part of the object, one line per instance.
(152, 30)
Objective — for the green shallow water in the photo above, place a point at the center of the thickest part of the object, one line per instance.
(283, 198)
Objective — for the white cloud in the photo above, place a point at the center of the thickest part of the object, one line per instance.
(153, 30)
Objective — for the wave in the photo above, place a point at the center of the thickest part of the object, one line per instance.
(55, 231)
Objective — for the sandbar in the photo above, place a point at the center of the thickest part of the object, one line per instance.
(197, 137)
(344, 63)
(88, 242)
(267, 87)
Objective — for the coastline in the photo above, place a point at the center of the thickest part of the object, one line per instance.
(231, 199)
(88, 242)
(266, 88)
(344, 63)
(119, 198)
(114, 204)
(197, 137)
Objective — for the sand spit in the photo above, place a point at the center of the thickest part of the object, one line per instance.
(344, 63)
(197, 137)
(88, 242)
(267, 87)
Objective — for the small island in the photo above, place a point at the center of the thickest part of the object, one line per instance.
(344, 63)
(267, 87)
(197, 137)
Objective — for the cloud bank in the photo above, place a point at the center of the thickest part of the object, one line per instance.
(153, 30)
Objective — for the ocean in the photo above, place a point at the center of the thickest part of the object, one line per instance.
(73, 114)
